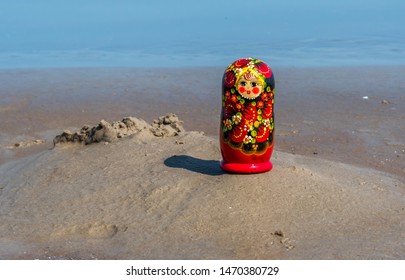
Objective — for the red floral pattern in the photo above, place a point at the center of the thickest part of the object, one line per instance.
(264, 69)
(242, 120)
(229, 79)
(247, 121)
(240, 63)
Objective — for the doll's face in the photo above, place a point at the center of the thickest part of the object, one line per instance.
(249, 86)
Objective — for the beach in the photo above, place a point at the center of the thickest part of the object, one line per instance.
(352, 115)
(337, 189)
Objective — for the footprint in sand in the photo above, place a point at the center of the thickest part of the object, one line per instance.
(92, 231)
(285, 241)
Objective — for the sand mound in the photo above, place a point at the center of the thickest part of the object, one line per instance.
(148, 197)
(165, 126)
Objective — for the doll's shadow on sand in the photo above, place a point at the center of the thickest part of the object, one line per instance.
(203, 166)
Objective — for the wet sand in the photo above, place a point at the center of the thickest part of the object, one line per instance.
(319, 112)
(336, 191)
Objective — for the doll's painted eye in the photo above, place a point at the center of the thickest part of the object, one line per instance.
(254, 84)
(243, 83)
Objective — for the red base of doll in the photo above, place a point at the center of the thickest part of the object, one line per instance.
(246, 168)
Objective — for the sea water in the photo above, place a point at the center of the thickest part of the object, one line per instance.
(184, 33)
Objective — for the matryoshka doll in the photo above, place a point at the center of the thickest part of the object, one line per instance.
(247, 120)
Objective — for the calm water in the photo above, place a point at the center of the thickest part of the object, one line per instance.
(139, 33)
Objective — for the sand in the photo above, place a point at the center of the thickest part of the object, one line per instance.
(144, 189)
(318, 111)
(148, 197)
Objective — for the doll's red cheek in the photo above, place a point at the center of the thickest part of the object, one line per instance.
(241, 89)
(256, 90)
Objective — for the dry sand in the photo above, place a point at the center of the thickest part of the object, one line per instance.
(148, 197)
(157, 192)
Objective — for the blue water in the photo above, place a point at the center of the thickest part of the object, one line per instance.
(177, 33)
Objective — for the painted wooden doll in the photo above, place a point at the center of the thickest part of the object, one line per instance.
(247, 120)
